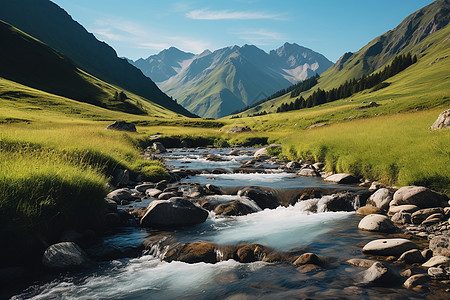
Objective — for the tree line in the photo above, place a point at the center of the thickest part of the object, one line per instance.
(353, 86)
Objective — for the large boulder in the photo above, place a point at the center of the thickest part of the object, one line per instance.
(443, 121)
(341, 178)
(157, 147)
(420, 196)
(262, 198)
(379, 275)
(122, 125)
(440, 245)
(175, 212)
(422, 214)
(389, 247)
(342, 202)
(381, 198)
(234, 208)
(65, 255)
(375, 222)
(193, 253)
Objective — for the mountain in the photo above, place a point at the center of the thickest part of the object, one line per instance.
(214, 84)
(53, 26)
(407, 37)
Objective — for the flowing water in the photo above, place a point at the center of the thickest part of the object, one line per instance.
(330, 234)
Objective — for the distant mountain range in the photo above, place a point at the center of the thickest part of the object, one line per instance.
(214, 84)
(53, 26)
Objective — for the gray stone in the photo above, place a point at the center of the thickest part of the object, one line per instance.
(64, 255)
(412, 256)
(437, 273)
(120, 178)
(375, 222)
(319, 165)
(261, 154)
(401, 217)
(157, 147)
(141, 188)
(422, 214)
(308, 173)
(341, 178)
(379, 275)
(416, 280)
(388, 247)
(122, 125)
(437, 261)
(262, 198)
(166, 195)
(375, 186)
(360, 262)
(153, 193)
(369, 210)
(121, 194)
(234, 208)
(405, 208)
(175, 212)
(238, 129)
(420, 196)
(443, 121)
(440, 245)
(381, 198)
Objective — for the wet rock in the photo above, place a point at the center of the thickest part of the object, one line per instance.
(262, 198)
(405, 208)
(112, 220)
(141, 188)
(427, 254)
(422, 214)
(379, 223)
(251, 253)
(65, 255)
(121, 194)
(443, 121)
(167, 195)
(430, 221)
(387, 247)
(411, 257)
(122, 125)
(212, 189)
(309, 194)
(174, 212)
(360, 262)
(416, 280)
(401, 217)
(440, 245)
(406, 273)
(161, 185)
(381, 198)
(308, 258)
(293, 165)
(379, 275)
(220, 171)
(342, 178)
(193, 253)
(342, 202)
(420, 196)
(234, 208)
(153, 193)
(308, 268)
(157, 147)
(308, 173)
(111, 204)
(261, 154)
(437, 273)
(368, 210)
(214, 157)
(437, 261)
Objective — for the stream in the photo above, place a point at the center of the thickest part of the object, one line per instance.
(288, 229)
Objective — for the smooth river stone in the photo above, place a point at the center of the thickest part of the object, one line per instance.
(388, 247)
(341, 178)
(405, 208)
(436, 261)
(375, 222)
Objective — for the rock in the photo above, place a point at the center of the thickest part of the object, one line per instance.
(121, 194)
(379, 275)
(64, 255)
(120, 178)
(406, 273)
(375, 186)
(308, 268)
(379, 223)
(370, 105)
(161, 185)
(214, 157)
(318, 166)
(238, 129)
(308, 258)
(234, 208)
(342, 202)
(261, 154)
(381, 198)
(234, 152)
(368, 210)
(360, 262)
(153, 193)
(401, 218)
(420, 215)
(193, 253)
(157, 147)
(112, 220)
(412, 256)
(440, 245)
(427, 254)
(111, 204)
(341, 178)
(175, 212)
(430, 221)
(293, 165)
(416, 280)
(420, 196)
(386, 247)
(122, 125)
(402, 208)
(212, 189)
(443, 121)
(437, 261)
(167, 195)
(141, 188)
(220, 171)
(251, 253)
(308, 173)
(437, 273)
(262, 198)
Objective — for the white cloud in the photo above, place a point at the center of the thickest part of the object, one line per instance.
(206, 14)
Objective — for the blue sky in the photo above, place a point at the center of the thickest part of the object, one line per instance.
(140, 28)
